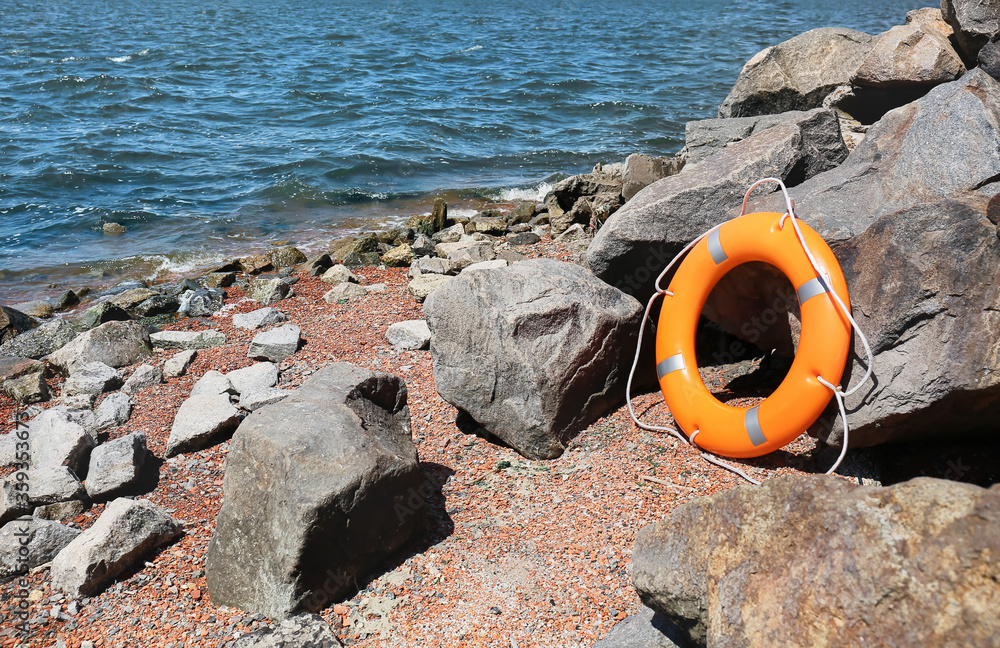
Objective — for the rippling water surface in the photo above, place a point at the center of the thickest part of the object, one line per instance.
(211, 128)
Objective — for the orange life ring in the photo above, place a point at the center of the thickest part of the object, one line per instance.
(823, 343)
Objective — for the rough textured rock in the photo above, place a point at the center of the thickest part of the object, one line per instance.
(38, 342)
(643, 170)
(423, 246)
(411, 334)
(13, 322)
(257, 376)
(53, 484)
(275, 345)
(817, 561)
(57, 439)
(132, 298)
(256, 397)
(200, 421)
(938, 147)
(464, 253)
(286, 256)
(156, 305)
(930, 18)
(579, 198)
(431, 265)
(989, 61)
(822, 143)
(644, 629)
(13, 499)
(43, 539)
(316, 265)
(125, 532)
(187, 339)
(113, 411)
(144, 376)
(909, 55)
(116, 344)
(100, 314)
(975, 22)
(643, 236)
(932, 321)
(422, 286)
(533, 352)
(218, 279)
(308, 508)
(523, 238)
(301, 631)
(37, 308)
(60, 511)
(213, 383)
(23, 380)
(451, 234)
(92, 378)
(798, 73)
(203, 302)
(344, 292)
(177, 364)
(115, 465)
(268, 290)
(399, 257)
(259, 318)
(339, 274)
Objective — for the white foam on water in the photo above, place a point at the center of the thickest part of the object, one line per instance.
(120, 59)
(463, 213)
(167, 266)
(534, 193)
(471, 49)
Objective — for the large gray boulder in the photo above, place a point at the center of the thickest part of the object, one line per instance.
(115, 465)
(975, 22)
(58, 439)
(39, 342)
(411, 334)
(640, 239)
(922, 289)
(115, 343)
(93, 378)
(126, 531)
(823, 146)
(259, 318)
(533, 352)
(938, 147)
(818, 561)
(276, 344)
(909, 55)
(797, 74)
(23, 379)
(28, 542)
(114, 410)
(201, 421)
(310, 507)
(259, 375)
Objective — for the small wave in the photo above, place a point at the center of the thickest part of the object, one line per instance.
(534, 193)
(120, 59)
(471, 49)
(156, 266)
(462, 213)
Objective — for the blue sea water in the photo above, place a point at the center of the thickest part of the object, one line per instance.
(209, 128)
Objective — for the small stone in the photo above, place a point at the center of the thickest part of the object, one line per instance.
(144, 376)
(399, 257)
(276, 344)
(339, 274)
(411, 334)
(202, 303)
(344, 292)
(178, 364)
(268, 291)
(213, 383)
(114, 228)
(113, 411)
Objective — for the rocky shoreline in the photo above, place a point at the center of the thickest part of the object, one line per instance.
(419, 437)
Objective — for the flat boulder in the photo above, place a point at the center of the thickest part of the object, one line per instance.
(53, 484)
(126, 531)
(260, 375)
(93, 378)
(187, 339)
(276, 344)
(268, 290)
(116, 344)
(818, 561)
(797, 74)
(533, 352)
(259, 318)
(201, 421)
(308, 508)
(114, 410)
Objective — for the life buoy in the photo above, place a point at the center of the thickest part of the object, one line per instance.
(824, 340)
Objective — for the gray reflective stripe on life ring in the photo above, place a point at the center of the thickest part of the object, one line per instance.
(673, 363)
(753, 427)
(715, 248)
(811, 288)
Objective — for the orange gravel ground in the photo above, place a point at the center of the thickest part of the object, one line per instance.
(520, 553)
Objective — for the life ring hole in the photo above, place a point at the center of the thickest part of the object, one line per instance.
(748, 332)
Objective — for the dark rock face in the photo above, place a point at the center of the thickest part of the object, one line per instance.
(312, 506)
(578, 198)
(811, 561)
(639, 240)
(922, 289)
(13, 322)
(975, 22)
(797, 74)
(533, 352)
